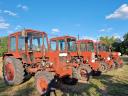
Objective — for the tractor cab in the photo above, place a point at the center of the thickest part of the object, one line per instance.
(102, 50)
(28, 45)
(63, 44)
(86, 49)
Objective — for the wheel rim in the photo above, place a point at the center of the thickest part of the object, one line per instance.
(9, 71)
(42, 85)
(103, 68)
(84, 74)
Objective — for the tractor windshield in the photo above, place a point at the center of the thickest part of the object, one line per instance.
(34, 40)
(87, 46)
(83, 47)
(71, 45)
(36, 43)
(103, 47)
(90, 47)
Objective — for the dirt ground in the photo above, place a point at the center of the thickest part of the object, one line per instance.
(113, 83)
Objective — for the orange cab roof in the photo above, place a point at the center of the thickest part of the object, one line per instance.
(29, 31)
(63, 37)
(84, 41)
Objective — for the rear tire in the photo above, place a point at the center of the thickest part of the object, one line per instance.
(13, 71)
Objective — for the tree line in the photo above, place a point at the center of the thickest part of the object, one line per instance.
(117, 44)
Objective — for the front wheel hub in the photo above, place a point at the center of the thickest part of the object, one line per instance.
(42, 85)
(84, 74)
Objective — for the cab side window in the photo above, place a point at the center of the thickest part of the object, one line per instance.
(53, 46)
(13, 43)
(45, 43)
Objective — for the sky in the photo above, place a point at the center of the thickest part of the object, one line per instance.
(87, 18)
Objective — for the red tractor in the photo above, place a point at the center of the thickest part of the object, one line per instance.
(67, 49)
(104, 55)
(29, 54)
(87, 52)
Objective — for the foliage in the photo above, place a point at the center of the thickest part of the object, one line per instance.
(122, 46)
(108, 40)
(3, 45)
(117, 44)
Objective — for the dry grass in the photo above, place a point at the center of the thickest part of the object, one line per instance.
(113, 83)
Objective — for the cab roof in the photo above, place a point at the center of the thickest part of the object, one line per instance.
(28, 31)
(62, 38)
(100, 42)
(84, 41)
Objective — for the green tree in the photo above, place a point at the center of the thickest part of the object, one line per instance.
(108, 40)
(116, 46)
(124, 44)
(3, 45)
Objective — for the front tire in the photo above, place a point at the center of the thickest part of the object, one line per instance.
(103, 67)
(82, 73)
(43, 80)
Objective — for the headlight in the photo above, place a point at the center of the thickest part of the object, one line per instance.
(93, 57)
(93, 61)
(67, 61)
(63, 54)
(51, 64)
(108, 58)
(119, 53)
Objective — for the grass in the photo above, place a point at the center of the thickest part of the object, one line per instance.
(112, 83)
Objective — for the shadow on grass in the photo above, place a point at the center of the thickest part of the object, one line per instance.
(26, 90)
(73, 90)
(81, 89)
(118, 89)
(3, 87)
(115, 87)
